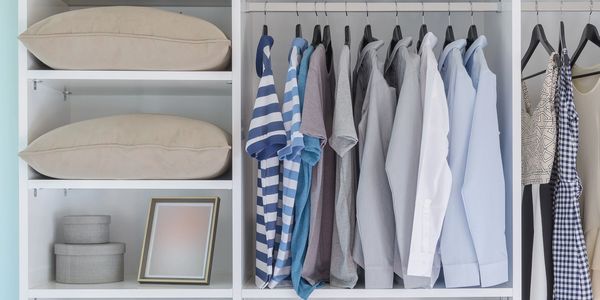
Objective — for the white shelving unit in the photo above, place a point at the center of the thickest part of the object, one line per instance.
(52, 98)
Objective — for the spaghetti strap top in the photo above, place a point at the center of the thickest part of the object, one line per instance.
(538, 129)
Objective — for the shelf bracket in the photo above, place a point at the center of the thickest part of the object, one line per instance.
(66, 93)
(66, 192)
(35, 84)
(35, 191)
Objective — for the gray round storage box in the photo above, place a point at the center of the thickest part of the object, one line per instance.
(99, 263)
(86, 229)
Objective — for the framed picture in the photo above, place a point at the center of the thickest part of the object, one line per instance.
(179, 241)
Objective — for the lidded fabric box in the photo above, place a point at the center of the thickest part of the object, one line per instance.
(91, 263)
(86, 229)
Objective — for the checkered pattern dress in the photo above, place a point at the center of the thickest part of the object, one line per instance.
(571, 268)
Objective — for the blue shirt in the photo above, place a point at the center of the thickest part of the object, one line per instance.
(309, 158)
(266, 135)
(290, 155)
(484, 186)
(458, 256)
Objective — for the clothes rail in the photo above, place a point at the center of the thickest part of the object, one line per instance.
(557, 6)
(373, 6)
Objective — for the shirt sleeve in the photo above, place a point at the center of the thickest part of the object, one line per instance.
(434, 178)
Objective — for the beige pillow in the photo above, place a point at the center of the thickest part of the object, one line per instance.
(127, 38)
(140, 146)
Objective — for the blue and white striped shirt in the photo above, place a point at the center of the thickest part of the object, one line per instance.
(266, 136)
(290, 155)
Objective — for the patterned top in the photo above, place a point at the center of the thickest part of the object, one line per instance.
(571, 268)
(538, 129)
(266, 135)
(290, 155)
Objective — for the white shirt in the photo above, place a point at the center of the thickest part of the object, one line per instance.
(434, 178)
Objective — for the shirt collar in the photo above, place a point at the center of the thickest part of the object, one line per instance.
(405, 42)
(265, 40)
(299, 43)
(429, 41)
(459, 44)
(479, 43)
(372, 46)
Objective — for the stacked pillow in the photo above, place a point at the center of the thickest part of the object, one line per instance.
(138, 146)
(127, 38)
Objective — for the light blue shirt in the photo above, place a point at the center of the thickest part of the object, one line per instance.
(458, 256)
(484, 186)
(309, 158)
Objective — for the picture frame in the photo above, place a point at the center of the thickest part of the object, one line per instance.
(179, 240)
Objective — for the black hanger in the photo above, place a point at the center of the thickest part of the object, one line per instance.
(422, 32)
(316, 40)
(449, 31)
(367, 34)
(265, 30)
(347, 35)
(397, 33)
(538, 36)
(472, 33)
(327, 44)
(298, 26)
(590, 33)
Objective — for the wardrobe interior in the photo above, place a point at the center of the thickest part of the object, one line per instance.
(496, 25)
(64, 99)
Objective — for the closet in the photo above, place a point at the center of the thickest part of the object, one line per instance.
(49, 99)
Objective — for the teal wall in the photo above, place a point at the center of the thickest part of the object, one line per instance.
(9, 208)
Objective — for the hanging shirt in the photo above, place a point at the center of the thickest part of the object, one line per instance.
(290, 155)
(434, 178)
(342, 141)
(483, 188)
(317, 119)
(402, 72)
(538, 144)
(459, 260)
(586, 92)
(309, 158)
(266, 136)
(374, 209)
(571, 268)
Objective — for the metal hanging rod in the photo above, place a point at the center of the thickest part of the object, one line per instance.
(544, 6)
(343, 7)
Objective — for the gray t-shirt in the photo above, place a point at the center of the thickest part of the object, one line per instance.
(343, 141)
(376, 250)
(317, 119)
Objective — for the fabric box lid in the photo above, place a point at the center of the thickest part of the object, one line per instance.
(89, 249)
(86, 219)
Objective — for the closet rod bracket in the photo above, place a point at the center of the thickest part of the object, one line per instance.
(35, 83)
(66, 93)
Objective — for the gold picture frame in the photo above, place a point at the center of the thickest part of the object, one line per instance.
(181, 227)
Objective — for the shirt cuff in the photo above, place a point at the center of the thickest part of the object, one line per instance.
(379, 277)
(461, 275)
(420, 264)
(494, 273)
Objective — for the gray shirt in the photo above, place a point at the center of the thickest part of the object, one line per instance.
(343, 141)
(317, 119)
(402, 162)
(374, 209)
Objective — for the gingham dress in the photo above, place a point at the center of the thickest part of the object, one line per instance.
(571, 269)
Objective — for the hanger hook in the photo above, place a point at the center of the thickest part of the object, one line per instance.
(396, 4)
(422, 13)
(591, 10)
(471, 6)
(325, 10)
(561, 10)
(367, 6)
(449, 13)
(346, 11)
(265, 11)
(316, 13)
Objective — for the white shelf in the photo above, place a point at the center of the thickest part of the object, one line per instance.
(134, 82)
(328, 293)
(220, 287)
(218, 184)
